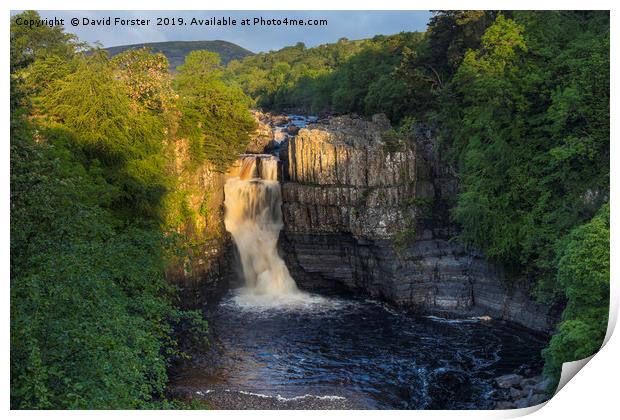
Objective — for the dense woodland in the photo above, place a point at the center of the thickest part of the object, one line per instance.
(93, 320)
(519, 102)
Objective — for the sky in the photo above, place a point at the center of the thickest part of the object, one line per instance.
(349, 24)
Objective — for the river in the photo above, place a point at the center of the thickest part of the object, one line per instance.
(369, 353)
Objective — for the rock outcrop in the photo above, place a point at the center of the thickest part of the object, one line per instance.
(367, 210)
(203, 266)
(520, 392)
(261, 140)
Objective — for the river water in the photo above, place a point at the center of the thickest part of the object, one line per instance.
(372, 354)
(271, 341)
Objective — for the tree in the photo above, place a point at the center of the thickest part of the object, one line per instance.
(146, 78)
(29, 42)
(583, 273)
(95, 107)
(219, 111)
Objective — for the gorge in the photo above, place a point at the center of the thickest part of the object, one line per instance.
(347, 199)
(317, 232)
(184, 234)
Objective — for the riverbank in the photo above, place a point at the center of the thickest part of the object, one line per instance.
(521, 392)
(226, 399)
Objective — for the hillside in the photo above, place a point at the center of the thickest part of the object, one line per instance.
(177, 50)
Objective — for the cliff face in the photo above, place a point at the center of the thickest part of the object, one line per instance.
(203, 265)
(343, 179)
(370, 213)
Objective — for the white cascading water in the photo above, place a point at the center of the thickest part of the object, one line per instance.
(254, 219)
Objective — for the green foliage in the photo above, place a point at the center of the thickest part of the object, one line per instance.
(91, 313)
(219, 111)
(95, 107)
(400, 138)
(38, 41)
(93, 320)
(146, 78)
(290, 76)
(398, 75)
(451, 34)
(92, 103)
(404, 237)
(176, 51)
(583, 273)
(347, 76)
(529, 171)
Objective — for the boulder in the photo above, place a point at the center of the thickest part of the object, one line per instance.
(279, 120)
(507, 381)
(505, 405)
(536, 399)
(261, 138)
(542, 387)
(517, 393)
(292, 130)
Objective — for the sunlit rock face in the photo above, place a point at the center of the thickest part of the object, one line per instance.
(203, 267)
(363, 213)
(344, 179)
(261, 139)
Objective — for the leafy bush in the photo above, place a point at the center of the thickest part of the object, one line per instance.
(91, 313)
(583, 273)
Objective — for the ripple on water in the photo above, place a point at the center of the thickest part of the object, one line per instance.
(363, 350)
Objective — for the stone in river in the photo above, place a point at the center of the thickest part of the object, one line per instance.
(509, 380)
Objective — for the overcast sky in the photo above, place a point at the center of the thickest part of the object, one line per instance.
(349, 24)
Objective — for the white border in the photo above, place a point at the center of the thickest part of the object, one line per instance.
(592, 394)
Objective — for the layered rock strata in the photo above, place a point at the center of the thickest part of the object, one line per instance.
(367, 210)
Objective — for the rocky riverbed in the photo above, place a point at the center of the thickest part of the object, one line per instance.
(521, 392)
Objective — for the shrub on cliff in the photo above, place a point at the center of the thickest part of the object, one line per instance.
(219, 111)
(91, 313)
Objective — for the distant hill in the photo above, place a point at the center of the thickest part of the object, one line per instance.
(177, 50)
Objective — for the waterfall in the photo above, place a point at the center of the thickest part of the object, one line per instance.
(253, 217)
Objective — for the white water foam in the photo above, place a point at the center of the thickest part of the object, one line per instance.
(456, 320)
(205, 392)
(296, 398)
(247, 300)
